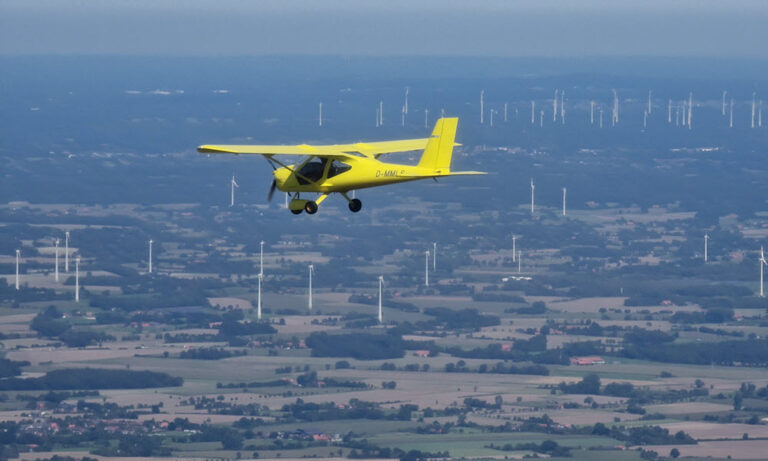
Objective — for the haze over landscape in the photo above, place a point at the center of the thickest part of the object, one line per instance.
(598, 295)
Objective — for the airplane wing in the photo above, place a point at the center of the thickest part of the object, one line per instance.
(367, 149)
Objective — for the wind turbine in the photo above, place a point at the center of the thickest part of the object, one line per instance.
(18, 256)
(505, 112)
(426, 118)
(763, 263)
(405, 107)
(381, 295)
(311, 270)
(532, 191)
(57, 260)
(519, 262)
(77, 279)
(232, 185)
(66, 251)
(434, 256)
(591, 112)
(150, 256)
(320, 114)
(426, 268)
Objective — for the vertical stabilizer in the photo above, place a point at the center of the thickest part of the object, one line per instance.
(437, 155)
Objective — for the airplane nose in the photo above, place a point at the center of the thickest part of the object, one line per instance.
(280, 175)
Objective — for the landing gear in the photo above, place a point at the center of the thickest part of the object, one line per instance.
(310, 207)
(355, 205)
(296, 211)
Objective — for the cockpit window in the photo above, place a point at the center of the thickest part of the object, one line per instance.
(337, 168)
(312, 171)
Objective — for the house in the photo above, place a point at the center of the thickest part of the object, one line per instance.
(589, 360)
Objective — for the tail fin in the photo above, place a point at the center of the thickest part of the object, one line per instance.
(437, 155)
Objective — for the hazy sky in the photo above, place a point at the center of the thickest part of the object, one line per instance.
(736, 28)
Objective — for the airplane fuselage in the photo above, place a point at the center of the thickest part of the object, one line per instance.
(358, 173)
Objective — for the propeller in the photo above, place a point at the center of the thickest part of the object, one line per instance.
(274, 182)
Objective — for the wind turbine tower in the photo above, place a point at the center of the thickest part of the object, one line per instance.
(57, 261)
(482, 108)
(66, 251)
(763, 263)
(532, 191)
(150, 256)
(564, 192)
(311, 270)
(591, 112)
(381, 295)
(649, 101)
(731, 112)
(381, 113)
(706, 247)
(232, 185)
(77, 279)
(505, 112)
(533, 112)
(405, 106)
(426, 119)
(258, 298)
(669, 111)
(690, 108)
(562, 107)
(434, 256)
(615, 116)
(402, 116)
(554, 107)
(519, 262)
(18, 256)
(320, 114)
(261, 258)
(724, 93)
(426, 268)
(753, 110)
(514, 253)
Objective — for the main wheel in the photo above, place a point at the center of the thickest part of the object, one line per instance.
(310, 207)
(355, 205)
(296, 211)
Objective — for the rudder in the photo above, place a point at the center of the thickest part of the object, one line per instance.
(437, 155)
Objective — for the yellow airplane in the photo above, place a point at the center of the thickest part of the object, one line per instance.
(343, 168)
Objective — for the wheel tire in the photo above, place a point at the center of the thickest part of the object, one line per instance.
(310, 207)
(296, 211)
(355, 205)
